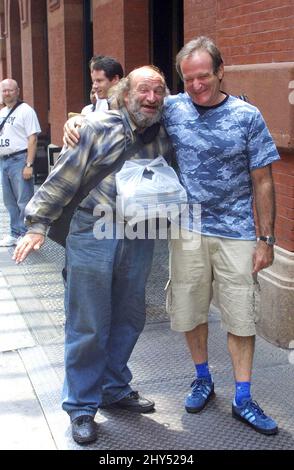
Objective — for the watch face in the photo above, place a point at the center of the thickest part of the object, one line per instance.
(269, 240)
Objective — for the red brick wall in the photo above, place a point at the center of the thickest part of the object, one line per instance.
(283, 173)
(34, 63)
(57, 84)
(257, 32)
(124, 31)
(136, 33)
(108, 28)
(200, 18)
(65, 64)
(248, 31)
(27, 64)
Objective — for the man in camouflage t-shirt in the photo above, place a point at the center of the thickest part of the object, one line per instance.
(224, 153)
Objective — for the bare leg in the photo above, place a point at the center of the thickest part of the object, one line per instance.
(197, 343)
(241, 349)
(202, 388)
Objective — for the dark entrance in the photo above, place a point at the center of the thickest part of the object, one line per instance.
(88, 48)
(166, 27)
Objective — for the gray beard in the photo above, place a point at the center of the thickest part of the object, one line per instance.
(140, 119)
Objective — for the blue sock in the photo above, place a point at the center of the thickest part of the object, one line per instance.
(202, 371)
(242, 392)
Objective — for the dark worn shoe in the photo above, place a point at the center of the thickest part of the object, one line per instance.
(133, 402)
(84, 429)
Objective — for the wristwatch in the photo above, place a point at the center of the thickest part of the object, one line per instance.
(29, 165)
(269, 239)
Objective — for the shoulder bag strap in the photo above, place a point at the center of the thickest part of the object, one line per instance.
(10, 112)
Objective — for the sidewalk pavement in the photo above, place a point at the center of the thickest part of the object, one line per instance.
(31, 372)
(23, 424)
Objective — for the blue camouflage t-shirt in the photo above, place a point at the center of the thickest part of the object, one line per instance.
(215, 152)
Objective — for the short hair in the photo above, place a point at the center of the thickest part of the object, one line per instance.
(109, 65)
(202, 43)
(94, 59)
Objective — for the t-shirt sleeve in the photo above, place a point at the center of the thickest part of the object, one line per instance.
(262, 150)
(30, 121)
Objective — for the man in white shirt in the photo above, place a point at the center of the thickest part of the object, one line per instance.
(90, 108)
(18, 146)
(105, 73)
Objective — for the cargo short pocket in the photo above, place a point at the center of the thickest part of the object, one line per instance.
(256, 301)
(168, 302)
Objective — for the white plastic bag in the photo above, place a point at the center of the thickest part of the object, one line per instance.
(148, 189)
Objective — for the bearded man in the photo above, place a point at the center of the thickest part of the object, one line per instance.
(106, 278)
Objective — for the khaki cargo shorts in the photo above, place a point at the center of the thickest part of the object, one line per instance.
(205, 267)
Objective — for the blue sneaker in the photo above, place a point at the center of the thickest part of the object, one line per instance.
(202, 392)
(250, 413)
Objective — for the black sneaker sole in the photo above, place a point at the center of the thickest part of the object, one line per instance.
(196, 410)
(266, 432)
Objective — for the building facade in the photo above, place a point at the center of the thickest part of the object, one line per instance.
(46, 45)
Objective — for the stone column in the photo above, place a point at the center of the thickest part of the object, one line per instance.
(35, 59)
(65, 39)
(121, 30)
(277, 300)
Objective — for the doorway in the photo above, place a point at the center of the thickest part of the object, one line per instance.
(88, 48)
(167, 36)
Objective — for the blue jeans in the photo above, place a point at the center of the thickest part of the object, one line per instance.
(105, 314)
(16, 192)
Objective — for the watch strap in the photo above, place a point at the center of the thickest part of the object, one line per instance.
(269, 239)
